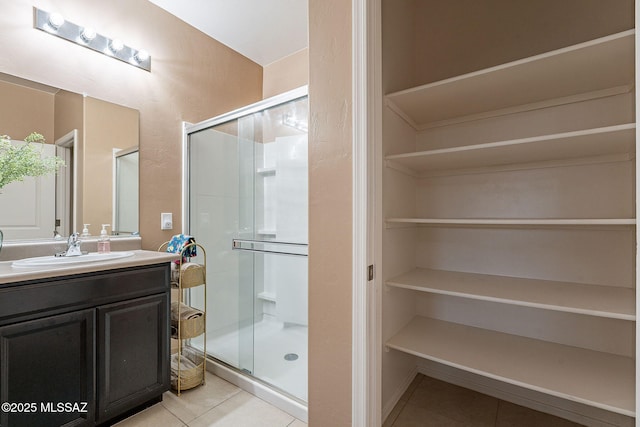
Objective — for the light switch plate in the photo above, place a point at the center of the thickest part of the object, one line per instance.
(166, 221)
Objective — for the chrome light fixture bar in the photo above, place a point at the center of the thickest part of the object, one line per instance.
(55, 24)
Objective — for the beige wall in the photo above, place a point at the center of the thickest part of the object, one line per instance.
(330, 226)
(106, 126)
(24, 110)
(192, 78)
(453, 38)
(69, 112)
(286, 74)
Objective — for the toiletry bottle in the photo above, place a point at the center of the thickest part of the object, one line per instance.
(85, 231)
(104, 244)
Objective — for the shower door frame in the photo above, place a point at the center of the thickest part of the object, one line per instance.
(189, 128)
(274, 101)
(235, 375)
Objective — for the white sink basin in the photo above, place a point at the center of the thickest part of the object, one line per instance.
(52, 261)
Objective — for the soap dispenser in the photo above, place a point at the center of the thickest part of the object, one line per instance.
(85, 231)
(104, 244)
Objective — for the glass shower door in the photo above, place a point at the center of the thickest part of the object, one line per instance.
(248, 206)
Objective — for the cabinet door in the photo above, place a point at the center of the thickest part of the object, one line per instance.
(47, 368)
(133, 344)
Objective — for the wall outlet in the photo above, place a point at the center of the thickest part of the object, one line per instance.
(166, 221)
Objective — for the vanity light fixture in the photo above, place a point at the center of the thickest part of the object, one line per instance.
(55, 24)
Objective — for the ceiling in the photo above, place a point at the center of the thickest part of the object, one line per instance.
(262, 30)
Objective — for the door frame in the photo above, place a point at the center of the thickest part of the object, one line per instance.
(366, 213)
(67, 182)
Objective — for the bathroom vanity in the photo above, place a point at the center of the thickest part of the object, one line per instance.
(83, 344)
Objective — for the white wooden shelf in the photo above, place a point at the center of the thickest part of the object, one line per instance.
(608, 140)
(479, 222)
(604, 301)
(597, 65)
(598, 379)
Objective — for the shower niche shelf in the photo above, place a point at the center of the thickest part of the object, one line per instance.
(188, 364)
(266, 171)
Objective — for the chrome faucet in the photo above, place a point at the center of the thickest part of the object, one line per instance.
(73, 245)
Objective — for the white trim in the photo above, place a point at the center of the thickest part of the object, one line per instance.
(398, 393)
(70, 142)
(114, 186)
(367, 107)
(185, 174)
(359, 282)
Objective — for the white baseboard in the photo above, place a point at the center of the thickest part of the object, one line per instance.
(397, 395)
(576, 412)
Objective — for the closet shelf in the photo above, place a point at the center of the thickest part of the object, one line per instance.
(619, 139)
(507, 222)
(603, 301)
(596, 65)
(598, 379)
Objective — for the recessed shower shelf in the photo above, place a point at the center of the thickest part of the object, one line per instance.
(267, 296)
(266, 171)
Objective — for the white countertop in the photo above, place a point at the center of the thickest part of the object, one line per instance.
(10, 274)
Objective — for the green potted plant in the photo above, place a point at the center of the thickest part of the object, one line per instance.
(18, 162)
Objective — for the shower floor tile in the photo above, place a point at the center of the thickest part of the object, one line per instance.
(274, 345)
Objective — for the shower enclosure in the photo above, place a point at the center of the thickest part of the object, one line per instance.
(247, 205)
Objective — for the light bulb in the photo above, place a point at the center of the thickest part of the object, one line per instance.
(141, 56)
(115, 45)
(88, 34)
(55, 20)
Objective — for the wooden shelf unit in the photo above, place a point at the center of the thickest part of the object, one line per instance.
(606, 301)
(610, 140)
(594, 378)
(604, 64)
(587, 71)
(509, 222)
(186, 276)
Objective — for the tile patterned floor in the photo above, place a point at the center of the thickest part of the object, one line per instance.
(217, 403)
(432, 403)
(427, 403)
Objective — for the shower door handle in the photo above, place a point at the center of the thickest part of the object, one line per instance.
(258, 246)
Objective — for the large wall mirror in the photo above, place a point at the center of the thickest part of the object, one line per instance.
(98, 141)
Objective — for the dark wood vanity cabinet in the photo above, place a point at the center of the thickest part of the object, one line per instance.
(132, 338)
(45, 362)
(82, 350)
